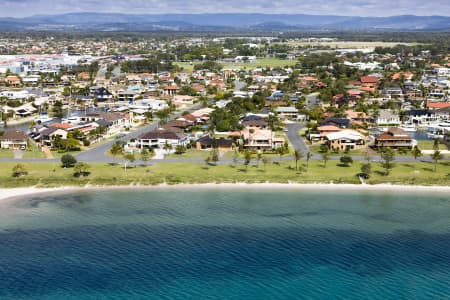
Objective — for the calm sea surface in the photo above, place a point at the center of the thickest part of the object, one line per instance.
(218, 244)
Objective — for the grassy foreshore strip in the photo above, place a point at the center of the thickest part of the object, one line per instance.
(45, 175)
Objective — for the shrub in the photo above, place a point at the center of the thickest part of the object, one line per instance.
(19, 170)
(68, 161)
(346, 160)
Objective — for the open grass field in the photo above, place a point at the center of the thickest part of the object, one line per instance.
(260, 62)
(344, 44)
(52, 175)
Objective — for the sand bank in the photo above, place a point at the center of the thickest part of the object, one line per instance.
(31, 191)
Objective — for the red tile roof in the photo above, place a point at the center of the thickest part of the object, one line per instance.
(438, 105)
(369, 79)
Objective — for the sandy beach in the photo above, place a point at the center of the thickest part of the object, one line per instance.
(31, 191)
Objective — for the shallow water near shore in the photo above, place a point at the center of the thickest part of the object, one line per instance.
(219, 244)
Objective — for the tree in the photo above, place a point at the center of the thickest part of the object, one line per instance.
(416, 152)
(366, 169)
(436, 144)
(247, 158)
(258, 158)
(180, 149)
(214, 156)
(81, 169)
(346, 160)
(68, 161)
(298, 155)
(145, 155)
(235, 157)
(116, 149)
(208, 160)
(308, 158)
(325, 158)
(19, 170)
(387, 157)
(265, 161)
(280, 151)
(129, 158)
(57, 109)
(436, 157)
(167, 147)
(163, 114)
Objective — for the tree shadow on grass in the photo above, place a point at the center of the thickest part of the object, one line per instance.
(381, 173)
(343, 165)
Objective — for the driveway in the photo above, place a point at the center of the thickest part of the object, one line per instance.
(18, 154)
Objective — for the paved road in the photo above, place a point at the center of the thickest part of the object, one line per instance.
(312, 100)
(98, 154)
(295, 139)
(238, 85)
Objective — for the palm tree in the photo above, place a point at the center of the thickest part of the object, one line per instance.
(325, 158)
(258, 158)
(436, 157)
(265, 161)
(145, 155)
(235, 157)
(129, 158)
(167, 147)
(436, 144)
(297, 155)
(308, 158)
(280, 151)
(247, 158)
(416, 152)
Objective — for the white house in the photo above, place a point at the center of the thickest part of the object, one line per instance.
(160, 137)
(14, 140)
(388, 118)
(287, 112)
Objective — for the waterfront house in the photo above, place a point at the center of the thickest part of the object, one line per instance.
(14, 139)
(207, 142)
(394, 138)
(261, 139)
(102, 94)
(47, 135)
(388, 118)
(160, 137)
(347, 139)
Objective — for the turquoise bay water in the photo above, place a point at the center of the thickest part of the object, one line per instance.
(218, 244)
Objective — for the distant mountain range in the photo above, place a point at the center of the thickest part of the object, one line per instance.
(222, 22)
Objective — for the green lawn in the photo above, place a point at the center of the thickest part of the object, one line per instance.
(428, 145)
(190, 153)
(42, 174)
(57, 154)
(260, 62)
(316, 149)
(6, 153)
(33, 152)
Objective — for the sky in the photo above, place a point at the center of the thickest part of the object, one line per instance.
(22, 8)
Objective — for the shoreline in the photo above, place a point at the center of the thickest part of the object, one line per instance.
(13, 193)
